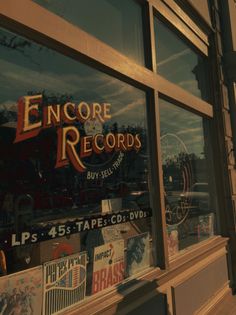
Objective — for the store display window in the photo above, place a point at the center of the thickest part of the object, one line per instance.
(187, 163)
(74, 167)
(117, 23)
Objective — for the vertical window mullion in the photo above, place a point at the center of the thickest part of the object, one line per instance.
(159, 221)
(157, 186)
(151, 30)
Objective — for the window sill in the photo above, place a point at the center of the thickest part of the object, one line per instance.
(144, 284)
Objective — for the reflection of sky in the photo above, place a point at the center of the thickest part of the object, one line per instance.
(88, 14)
(177, 62)
(187, 126)
(37, 69)
(28, 68)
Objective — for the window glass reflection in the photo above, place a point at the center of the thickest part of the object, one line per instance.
(179, 63)
(73, 145)
(118, 23)
(188, 177)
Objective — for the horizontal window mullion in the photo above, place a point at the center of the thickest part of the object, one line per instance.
(62, 36)
(56, 33)
(187, 20)
(178, 94)
(161, 8)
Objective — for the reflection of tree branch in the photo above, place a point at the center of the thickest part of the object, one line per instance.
(19, 45)
(52, 99)
(10, 43)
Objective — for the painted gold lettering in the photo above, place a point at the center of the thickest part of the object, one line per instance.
(51, 114)
(97, 110)
(106, 111)
(97, 147)
(67, 110)
(28, 106)
(83, 112)
(85, 146)
(137, 142)
(110, 142)
(68, 138)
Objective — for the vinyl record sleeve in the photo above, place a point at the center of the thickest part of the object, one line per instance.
(21, 293)
(64, 283)
(172, 240)
(138, 254)
(206, 225)
(108, 265)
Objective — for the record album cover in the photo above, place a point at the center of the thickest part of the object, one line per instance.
(21, 293)
(64, 283)
(138, 254)
(172, 239)
(108, 265)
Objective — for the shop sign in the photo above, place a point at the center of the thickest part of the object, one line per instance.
(64, 283)
(43, 232)
(72, 146)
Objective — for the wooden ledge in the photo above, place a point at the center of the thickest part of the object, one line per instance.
(192, 256)
(147, 284)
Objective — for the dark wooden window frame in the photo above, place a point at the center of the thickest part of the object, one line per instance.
(36, 23)
(180, 20)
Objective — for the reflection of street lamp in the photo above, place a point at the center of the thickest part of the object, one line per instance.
(145, 173)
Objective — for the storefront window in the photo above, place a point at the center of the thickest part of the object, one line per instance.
(118, 23)
(188, 177)
(74, 169)
(179, 63)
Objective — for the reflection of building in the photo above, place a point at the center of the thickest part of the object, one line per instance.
(159, 83)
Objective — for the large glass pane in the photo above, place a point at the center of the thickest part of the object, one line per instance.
(179, 63)
(188, 177)
(118, 23)
(74, 165)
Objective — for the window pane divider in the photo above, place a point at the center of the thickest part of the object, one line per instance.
(56, 33)
(157, 186)
(173, 19)
(152, 37)
(187, 20)
(188, 100)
